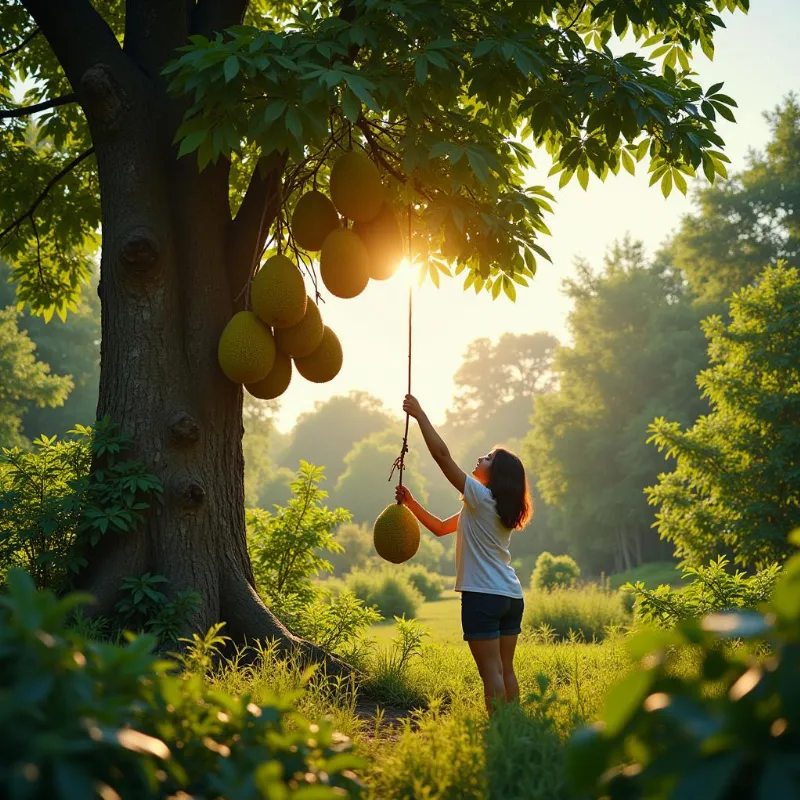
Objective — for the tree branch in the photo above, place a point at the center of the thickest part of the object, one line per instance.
(248, 231)
(17, 48)
(78, 35)
(50, 184)
(25, 111)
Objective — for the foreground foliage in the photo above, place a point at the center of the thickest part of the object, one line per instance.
(729, 730)
(79, 718)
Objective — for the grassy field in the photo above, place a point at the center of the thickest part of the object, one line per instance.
(435, 740)
(441, 618)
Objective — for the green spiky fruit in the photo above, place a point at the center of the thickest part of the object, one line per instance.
(344, 264)
(356, 188)
(278, 293)
(314, 217)
(324, 363)
(384, 242)
(246, 350)
(396, 534)
(277, 380)
(302, 339)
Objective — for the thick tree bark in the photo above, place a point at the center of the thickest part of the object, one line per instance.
(166, 293)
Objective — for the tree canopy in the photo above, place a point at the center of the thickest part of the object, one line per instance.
(447, 97)
(736, 482)
(637, 348)
(748, 221)
(26, 381)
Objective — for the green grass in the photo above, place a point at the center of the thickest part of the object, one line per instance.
(447, 748)
(441, 618)
(652, 575)
(588, 612)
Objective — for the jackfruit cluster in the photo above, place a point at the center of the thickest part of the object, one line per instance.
(395, 534)
(257, 348)
(349, 257)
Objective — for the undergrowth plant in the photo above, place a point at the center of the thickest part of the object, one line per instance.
(81, 719)
(63, 496)
(287, 548)
(708, 589)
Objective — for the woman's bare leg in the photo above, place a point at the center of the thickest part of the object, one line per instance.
(486, 653)
(508, 644)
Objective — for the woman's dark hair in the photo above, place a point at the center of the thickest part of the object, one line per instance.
(509, 488)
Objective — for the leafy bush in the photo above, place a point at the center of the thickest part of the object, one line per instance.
(357, 548)
(81, 719)
(727, 731)
(431, 554)
(427, 583)
(52, 503)
(287, 549)
(142, 607)
(390, 591)
(588, 612)
(712, 588)
(552, 571)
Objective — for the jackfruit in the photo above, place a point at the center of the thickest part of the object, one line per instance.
(277, 380)
(278, 293)
(356, 188)
(302, 339)
(314, 217)
(396, 534)
(384, 242)
(246, 350)
(324, 363)
(344, 264)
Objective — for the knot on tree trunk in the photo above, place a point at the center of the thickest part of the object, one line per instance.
(189, 491)
(183, 428)
(139, 250)
(104, 98)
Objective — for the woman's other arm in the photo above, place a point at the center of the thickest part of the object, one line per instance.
(438, 527)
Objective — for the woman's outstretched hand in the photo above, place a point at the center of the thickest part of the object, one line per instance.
(412, 407)
(402, 495)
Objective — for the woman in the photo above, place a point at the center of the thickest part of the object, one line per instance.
(495, 502)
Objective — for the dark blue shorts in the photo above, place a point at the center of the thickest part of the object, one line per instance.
(488, 616)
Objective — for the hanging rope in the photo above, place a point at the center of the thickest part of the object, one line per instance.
(399, 462)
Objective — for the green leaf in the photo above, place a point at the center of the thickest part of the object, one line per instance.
(231, 68)
(624, 699)
(666, 184)
(351, 106)
(680, 181)
(421, 69)
(627, 162)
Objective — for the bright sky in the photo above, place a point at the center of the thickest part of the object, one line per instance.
(756, 57)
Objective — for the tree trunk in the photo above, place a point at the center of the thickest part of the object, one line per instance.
(166, 294)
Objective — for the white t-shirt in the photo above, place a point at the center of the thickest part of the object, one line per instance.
(483, 560)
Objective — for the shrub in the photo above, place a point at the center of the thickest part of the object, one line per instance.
(390, 591)
(588, 612)
(81, 719)
(552, 571)
(427, 583)
(52, 504)
(712, 588)
(356, 544)
(728, 730)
